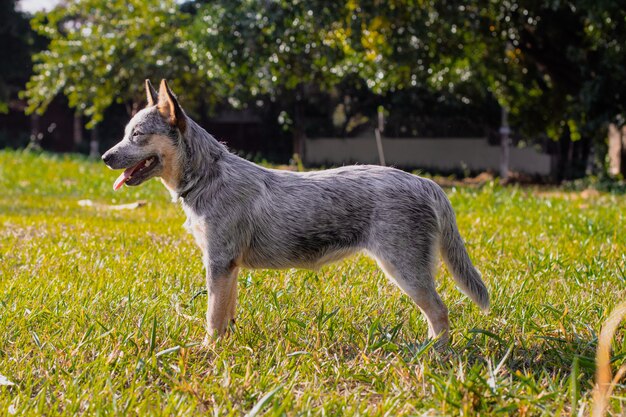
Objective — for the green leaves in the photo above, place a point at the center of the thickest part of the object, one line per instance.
(556, 66)
(249, 48)
(18, 44)
(101, 51)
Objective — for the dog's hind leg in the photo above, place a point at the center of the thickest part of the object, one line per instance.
(415, 276)
(222, 294)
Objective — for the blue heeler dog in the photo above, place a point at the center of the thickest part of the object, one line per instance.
(245, 215)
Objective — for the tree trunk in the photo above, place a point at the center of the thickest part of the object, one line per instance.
(298, 127)
(617, 150)
(78, 129)
(565, 153)
(35, 134)
(581, 163)
(590, 158)
(623, 167)
(298, 144)
(505, 146)
(94, 143)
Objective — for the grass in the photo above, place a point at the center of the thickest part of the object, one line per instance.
(88, 321)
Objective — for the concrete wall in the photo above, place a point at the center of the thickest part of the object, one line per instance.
(443, 154)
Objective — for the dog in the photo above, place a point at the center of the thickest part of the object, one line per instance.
(245, 215)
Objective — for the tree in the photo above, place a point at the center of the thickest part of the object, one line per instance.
(290, 52)
(19, 43)
(573, 52)
(257, 50)
(557, 66)
(101, 51)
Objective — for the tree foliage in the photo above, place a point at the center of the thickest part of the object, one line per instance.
(555, 65)
(101, 51)
(19, 42)
(252, 48)
(561, 66)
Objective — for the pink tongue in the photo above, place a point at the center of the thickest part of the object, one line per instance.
(124, 176)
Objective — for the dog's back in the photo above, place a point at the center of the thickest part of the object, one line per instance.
(307, 219)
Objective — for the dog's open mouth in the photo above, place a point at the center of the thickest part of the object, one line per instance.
(137, 173)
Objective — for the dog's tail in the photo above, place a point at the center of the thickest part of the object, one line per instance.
(455, 256)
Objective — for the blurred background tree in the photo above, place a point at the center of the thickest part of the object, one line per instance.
(253, 51)
(100, 50)
(19, 43)
(323, 68)
(567, 74)
(557, 66)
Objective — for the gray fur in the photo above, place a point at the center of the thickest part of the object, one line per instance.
(242, 214)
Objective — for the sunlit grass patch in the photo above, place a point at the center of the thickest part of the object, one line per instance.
(88, 301)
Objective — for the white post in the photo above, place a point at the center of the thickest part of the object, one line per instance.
(377, 132)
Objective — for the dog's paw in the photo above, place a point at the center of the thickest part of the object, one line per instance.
(211, 337)
(209, 341)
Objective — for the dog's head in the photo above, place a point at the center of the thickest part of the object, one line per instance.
(151, 143)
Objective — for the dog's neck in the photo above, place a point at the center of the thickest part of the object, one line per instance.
(200, 157)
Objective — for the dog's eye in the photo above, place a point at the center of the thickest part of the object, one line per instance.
(137, 133)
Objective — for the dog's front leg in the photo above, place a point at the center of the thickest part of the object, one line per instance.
(222, 298)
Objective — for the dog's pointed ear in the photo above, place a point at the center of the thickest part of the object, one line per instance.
(170, 109)
(151, 94)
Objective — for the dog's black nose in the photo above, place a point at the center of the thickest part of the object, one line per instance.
(106, 157)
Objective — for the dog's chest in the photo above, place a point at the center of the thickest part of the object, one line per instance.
(197, 226)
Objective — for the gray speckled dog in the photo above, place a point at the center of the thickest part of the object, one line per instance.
(244, 215)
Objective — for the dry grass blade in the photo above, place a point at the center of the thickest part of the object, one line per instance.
(129, 206)
(605, 382)
(179, 311)
(5, 381)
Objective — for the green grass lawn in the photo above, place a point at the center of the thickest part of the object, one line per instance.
(89, 322)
